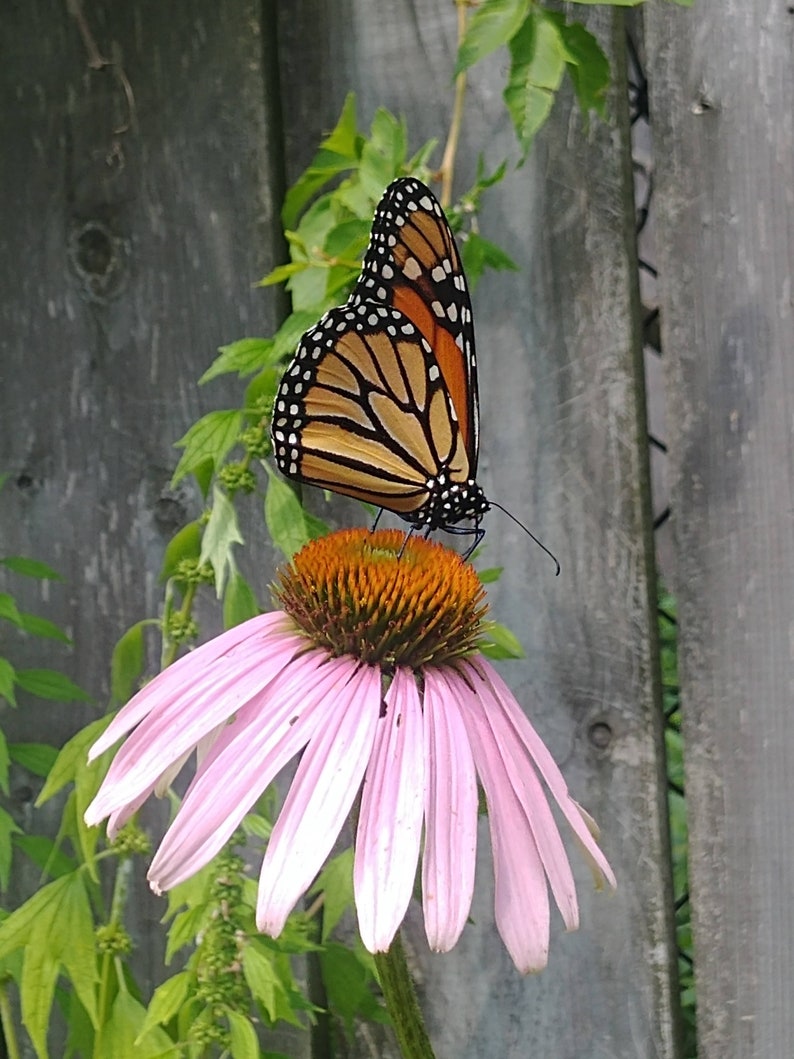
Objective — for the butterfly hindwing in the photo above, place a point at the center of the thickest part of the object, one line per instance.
(363, 410)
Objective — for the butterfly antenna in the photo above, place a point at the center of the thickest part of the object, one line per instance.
(540, 544)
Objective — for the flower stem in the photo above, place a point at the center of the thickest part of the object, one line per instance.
(401, 1002)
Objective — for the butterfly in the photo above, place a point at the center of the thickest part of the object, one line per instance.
(380, 399)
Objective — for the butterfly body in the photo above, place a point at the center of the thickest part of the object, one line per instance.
(380, 399)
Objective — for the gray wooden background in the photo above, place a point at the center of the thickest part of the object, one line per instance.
(140, 203)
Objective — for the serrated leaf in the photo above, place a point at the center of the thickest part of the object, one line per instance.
(537, 67)
(493, 24)
(185, 544)
(37, 988)
(349, 984)
(210, 439)
(289, 526)
(587, 64)
(72, 757)
(168, 998)
(21, 564)
(291, 331)
(242, 1036)
(126, 664)
(246, 356)
(479, 254)
(7, 828)
(48, 630)
(8, 609)
(50, 684)
(44, 853)
(263, 975)
(383, 153)
(220, 535)
(239, 602)
(7, 681)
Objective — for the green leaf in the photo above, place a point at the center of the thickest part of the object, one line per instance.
(55, 928)
(122, 1034)
(336, 882)
(7, 829)
(349, 985)
(492, 574)
(262, 976)
(36, 626)
(37, 758)
(283, 273)
(49, 684)
(338, 153)
(242, 1036)
(185, 544)
(586, 62)
(220, 535)
(239, 602)
(72, 758)
(494, 23)
(621, 3)
(289, 526)
(166, 1001)
(7, 681)
(20, 564)
(291, 331)
(245, 357)
(500, 642)
(479, 254)
(537, 66)
(5, 761)
(383, 154)
(126, 665)
(210, 439)
(44, 853)
(8, 609)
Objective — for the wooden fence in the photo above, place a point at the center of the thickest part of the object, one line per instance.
(140, 201)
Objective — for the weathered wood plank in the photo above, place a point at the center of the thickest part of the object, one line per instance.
(722, 83)
(137, 211)
(563, 447)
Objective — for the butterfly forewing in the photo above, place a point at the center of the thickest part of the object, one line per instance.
(413, 264)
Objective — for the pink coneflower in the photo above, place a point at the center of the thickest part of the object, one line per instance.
(371, 671)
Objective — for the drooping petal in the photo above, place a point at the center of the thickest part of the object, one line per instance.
(245, 758)
(521, 898)
(519, 770)
(183, 673)
(178, 723)
(390, 821)
(548, 769)
(448, 861)
(322, 793)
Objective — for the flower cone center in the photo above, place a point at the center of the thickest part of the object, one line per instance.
(384, 599)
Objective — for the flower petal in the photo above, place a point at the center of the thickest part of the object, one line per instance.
(184, 671)
(548, 769)
(450, 818)
(178, 722)
(390, 821)
(245, 758)
(521, 894)
(319, 800)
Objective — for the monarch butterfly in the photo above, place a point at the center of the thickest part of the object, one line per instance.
(380, 400)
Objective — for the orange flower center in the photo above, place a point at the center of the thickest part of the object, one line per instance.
(384, 599)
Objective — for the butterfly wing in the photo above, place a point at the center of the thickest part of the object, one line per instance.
(364, 410)
(412, 264)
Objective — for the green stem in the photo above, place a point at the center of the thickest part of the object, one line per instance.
(111, 963)
(7, 1020)
(401, 1002)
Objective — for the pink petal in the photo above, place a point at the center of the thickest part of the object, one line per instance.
(319, 800)
(450, 818)
(390, 820)
(521, 893)
(169, 683)
(245, 758)
(547, 767)
(178, 723)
